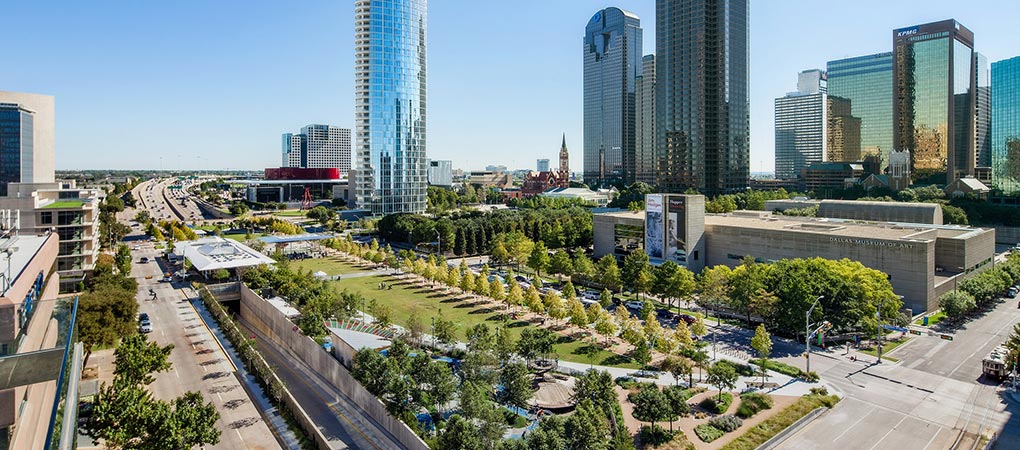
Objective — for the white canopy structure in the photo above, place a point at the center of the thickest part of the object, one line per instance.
(214, 253)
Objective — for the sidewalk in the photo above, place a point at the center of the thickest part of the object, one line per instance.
(259, 398)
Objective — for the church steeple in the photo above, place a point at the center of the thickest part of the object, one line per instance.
(564, 157)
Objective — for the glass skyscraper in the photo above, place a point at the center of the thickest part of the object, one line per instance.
(612, 62)
(16, 141)
(983, 112)
(644, 131)
(801, 125)
(865, 84)
(1006, 125)
(701, 82)
(389, 99)
(933, 93)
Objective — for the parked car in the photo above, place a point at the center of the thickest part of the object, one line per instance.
(634, 305)
(1012, 291)
(145, 326)
(688, 318)
(143, 317)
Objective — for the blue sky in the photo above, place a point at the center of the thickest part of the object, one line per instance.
(191, 83)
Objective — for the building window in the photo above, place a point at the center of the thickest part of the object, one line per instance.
(46, 218)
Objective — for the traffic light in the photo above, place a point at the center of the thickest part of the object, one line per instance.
(915, 332)
(946, 337)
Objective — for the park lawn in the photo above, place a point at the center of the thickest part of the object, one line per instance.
(240, 237)
(407, 298)
(332, 266)
(932, 319)
(292, 213)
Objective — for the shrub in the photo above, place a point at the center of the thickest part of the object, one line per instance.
(762, 432)
(707, 433)
(811, 377)
(717, 405)
(782, 368)
(726, 423)
(752, 403)
(654, 435)
(741, 369)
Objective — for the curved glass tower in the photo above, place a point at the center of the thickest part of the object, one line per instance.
(389, 83)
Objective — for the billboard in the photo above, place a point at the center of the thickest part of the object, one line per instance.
(676, 229)
(653, 226)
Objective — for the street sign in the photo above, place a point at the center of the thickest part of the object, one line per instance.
(915, 332)
(946, 337)
(894, 328)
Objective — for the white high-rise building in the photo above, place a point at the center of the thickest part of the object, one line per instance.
(317, 147)
(801, 125)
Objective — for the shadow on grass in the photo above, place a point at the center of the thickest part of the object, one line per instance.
(616, 360)
(481, 311)
(449, 299)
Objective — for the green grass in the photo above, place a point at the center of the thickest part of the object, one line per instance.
(773, 425)
(932, 319)
(332, 266)
(240, 237)
(65, 204)
(887, 347)
(291, 213)
(406, 298)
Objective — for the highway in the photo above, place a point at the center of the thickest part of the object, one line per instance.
(198, 362)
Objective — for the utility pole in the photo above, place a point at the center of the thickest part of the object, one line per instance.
(879, 361)
(807, 332)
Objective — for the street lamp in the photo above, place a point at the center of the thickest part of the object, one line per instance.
(807, 332)
(439, 243)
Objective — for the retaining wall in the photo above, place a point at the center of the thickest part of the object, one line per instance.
(256, 312)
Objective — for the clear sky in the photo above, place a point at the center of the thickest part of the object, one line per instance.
(191, 83)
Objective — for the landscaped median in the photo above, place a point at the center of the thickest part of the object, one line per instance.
(761, 433)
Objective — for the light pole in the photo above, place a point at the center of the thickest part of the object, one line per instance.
(439, 243)
(807, 332)
(880, 302)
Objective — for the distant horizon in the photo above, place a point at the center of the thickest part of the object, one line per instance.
(214, 86)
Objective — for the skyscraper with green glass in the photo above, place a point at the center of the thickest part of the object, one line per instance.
(1006, 125)
(865, 83)
(934, 98)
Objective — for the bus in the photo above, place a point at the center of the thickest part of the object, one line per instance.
(994, 365)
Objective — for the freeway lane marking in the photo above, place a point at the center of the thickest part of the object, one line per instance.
(887, 433)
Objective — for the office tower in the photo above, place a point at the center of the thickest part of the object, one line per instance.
(865, 84)
(26, 146)
(843, 131)
(542, 165)
(644, 130)
(701, 104)
(612, 62)
(1006, 125)
(933, 94)
(982, 112)
(801, 125)
(318, 147)
(389, 83)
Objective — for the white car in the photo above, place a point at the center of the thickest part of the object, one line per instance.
(634, 305)
(145, 326)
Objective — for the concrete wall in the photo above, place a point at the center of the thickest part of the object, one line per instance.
(962, 252)
(1007, 235)
(258, 313)
(910, 265)
(928, 213)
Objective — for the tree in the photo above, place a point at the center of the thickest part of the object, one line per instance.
(700, 360)
(445, 331)
(673, 282)
(459, 434)
(609, 273)
(698, 327)
(554, 304)
(653, 329)
(583, 267)
(467, 282)
(762, 343)
(137, 359)
(723, 376)
(1013, 346)
(578, 315)
(587, 429)
(606, 298)
(679, 367)
(366, 367)
(676, 402)
(714, 285)
(535, 342)
(107, 312)
(604, 322)
(633, 264)
(642, 354)
(650, 405)
(497, 291)
(561, 264)
(956, 303)
(123, 260)
(682, 334)
(517, 385)
(534, 301)
(499, 255)
(539, 259)
(481, 286)
(504, 345)
(415, 329)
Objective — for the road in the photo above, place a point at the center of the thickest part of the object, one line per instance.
(154, 196)
(198, 362)
(338, 417)
(933, 398)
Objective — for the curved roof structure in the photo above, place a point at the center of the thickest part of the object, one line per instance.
(924, 213)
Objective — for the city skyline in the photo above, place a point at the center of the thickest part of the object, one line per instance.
(196, 99)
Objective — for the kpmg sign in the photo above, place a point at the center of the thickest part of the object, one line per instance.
(906, 32)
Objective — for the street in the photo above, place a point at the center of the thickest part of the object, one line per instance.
(925, 401)
(198, 362)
